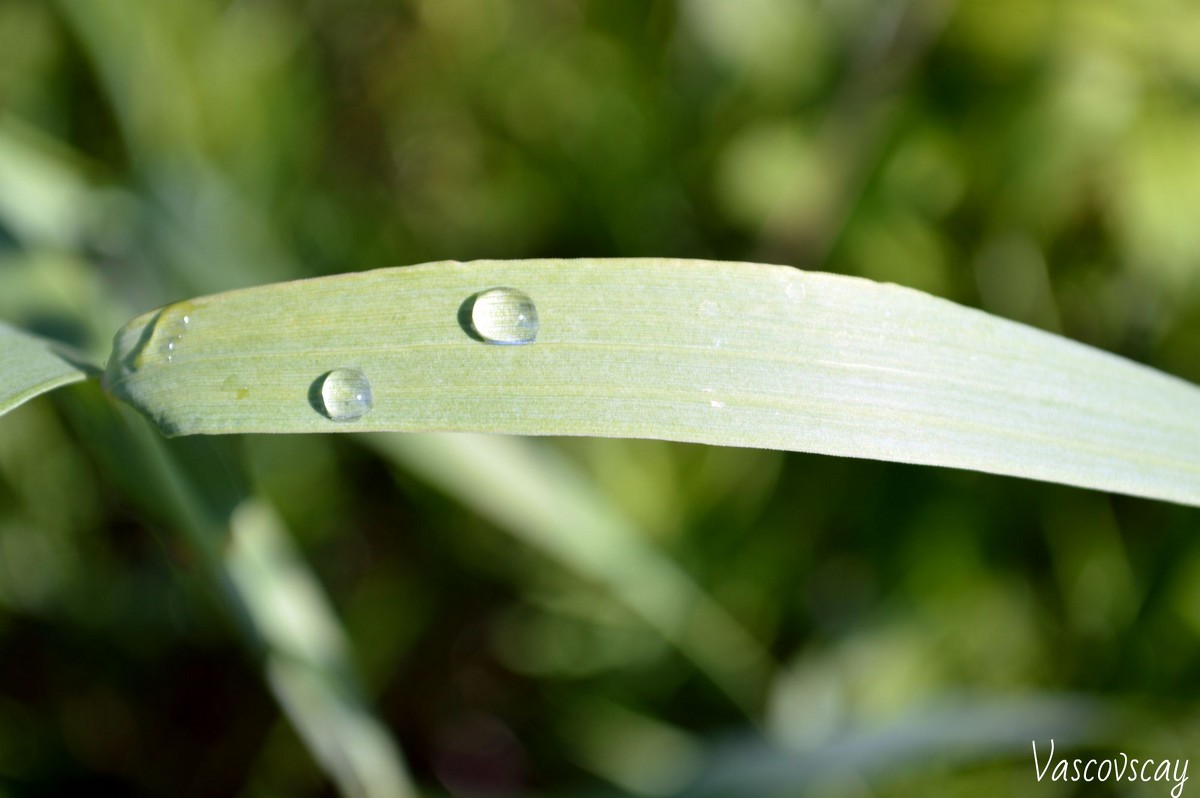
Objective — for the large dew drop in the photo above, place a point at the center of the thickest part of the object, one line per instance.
(346, 394)
(504, 316)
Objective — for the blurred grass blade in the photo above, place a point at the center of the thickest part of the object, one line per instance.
(641, 754)
(543, 500)
(307, 658)
(195, 487)
(723, 353)
(43, 199)
(31, 366)
(960, 731)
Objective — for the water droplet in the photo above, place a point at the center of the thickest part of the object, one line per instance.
(346, 394)
(173, 330)
(504, 316)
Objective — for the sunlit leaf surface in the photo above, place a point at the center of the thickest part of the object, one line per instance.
(31, 366)
(733, 354)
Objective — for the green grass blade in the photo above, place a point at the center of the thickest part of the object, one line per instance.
(955, 730)
(31, 366)
(306, 657)
(266, 586)
(723, 353)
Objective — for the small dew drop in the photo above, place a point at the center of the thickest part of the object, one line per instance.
(174, 330)
(504, 316)
(346, 394)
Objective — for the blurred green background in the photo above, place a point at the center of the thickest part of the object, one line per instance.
(586, 617)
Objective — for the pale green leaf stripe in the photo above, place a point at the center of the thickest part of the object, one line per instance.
(724, 353)
(31, 366)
